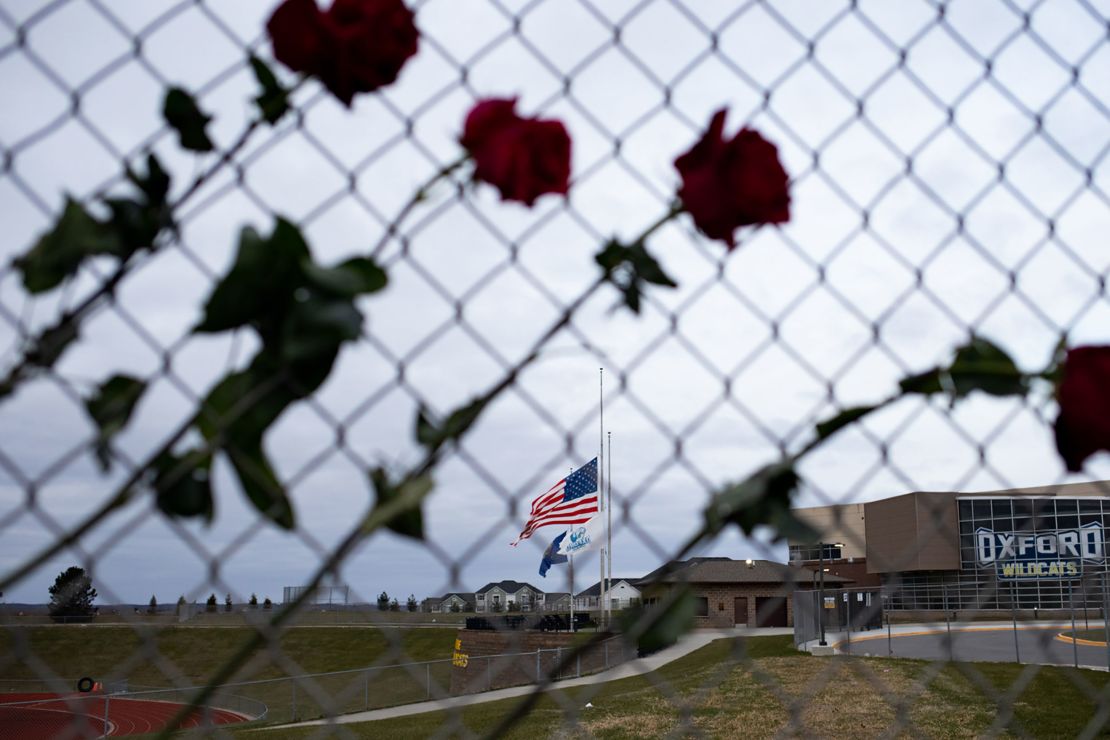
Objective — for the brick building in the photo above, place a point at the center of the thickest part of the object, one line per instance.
(727, 592)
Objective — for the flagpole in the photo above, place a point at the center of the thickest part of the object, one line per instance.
(609, 524)
(601, 491)
(570, 560)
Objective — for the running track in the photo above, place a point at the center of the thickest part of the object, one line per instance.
(46, 716)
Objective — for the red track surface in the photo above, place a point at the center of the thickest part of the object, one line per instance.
(49, 716)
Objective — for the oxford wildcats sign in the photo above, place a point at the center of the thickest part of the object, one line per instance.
(1057, 554)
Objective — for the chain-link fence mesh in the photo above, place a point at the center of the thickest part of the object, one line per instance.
(947, 182)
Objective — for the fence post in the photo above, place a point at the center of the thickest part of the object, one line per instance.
(537, 665)
(366, 688)
(489, 675)
(428, 677)
(107, 700)
(578, 666)
(294, 692)
(558, 660)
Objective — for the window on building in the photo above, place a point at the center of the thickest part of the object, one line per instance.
(802, 553)
(701, 606)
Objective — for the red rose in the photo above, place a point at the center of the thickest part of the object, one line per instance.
(1083, 426)
(356, 46)
(522, 157)
(729, 184)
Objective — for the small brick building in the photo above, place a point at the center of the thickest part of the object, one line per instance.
(752, 593)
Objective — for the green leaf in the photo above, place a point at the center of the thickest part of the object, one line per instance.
(830, 427)
(52, 343)
(407, 520)
(260, 483)
(984, 366)
(629, 268)
(665, 624)
(978, 365)
(261, 285)
(273, 101)
(155, 185)
(925, 383)
(138, 221)
(318, 327)
(111, 408)
(182, 113)
(433, 435)
(183, 486)
(351, 278)
(761, 499)
(58, 254)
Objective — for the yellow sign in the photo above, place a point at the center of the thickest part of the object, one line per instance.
(459, 659)
(1039, 569)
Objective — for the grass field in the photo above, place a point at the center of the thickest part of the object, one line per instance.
(779, 691)
(1096, 635)
(188, 655)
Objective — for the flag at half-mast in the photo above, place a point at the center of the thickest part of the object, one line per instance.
(573, 500)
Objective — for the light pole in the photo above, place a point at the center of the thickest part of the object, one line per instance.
(821, 588)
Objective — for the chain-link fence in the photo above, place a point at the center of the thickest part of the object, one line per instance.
(301, 300)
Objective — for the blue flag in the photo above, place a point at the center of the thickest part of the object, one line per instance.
(551, 555)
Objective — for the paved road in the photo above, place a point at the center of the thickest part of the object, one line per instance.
(995, 644)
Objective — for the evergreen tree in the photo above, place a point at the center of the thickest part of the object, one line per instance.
(181, 603)
(153, 608)
(394, 606)
(411, 603)
(455, 607)
(383, 601)
(253, 603)
(267, 604)
(210, 605)
(227, 603)
(72, 595)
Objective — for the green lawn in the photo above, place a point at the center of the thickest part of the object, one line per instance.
(189, 655)
(761, 687)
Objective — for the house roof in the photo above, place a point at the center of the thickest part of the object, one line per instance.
(595, 589)
(727, 570)
(509, 587)
(556, 595)
(467, 597)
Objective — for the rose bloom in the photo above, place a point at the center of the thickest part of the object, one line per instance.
(729, 184)
(356, 46)
(522, 157)
(1083, 426)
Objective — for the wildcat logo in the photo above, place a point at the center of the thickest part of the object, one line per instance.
(1058, 554)
(578, 539)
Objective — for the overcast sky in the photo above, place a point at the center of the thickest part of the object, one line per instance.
(944, 207)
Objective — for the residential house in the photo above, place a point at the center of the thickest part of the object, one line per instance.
(445, 603)
(497, 597)
(622, 594)
(557, 601)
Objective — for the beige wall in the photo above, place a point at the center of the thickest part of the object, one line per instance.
(915, 531)
(842, 523)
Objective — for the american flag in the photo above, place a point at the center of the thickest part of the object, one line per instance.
(573, 500)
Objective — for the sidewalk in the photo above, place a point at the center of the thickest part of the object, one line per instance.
(687, 644)
(836, 639)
